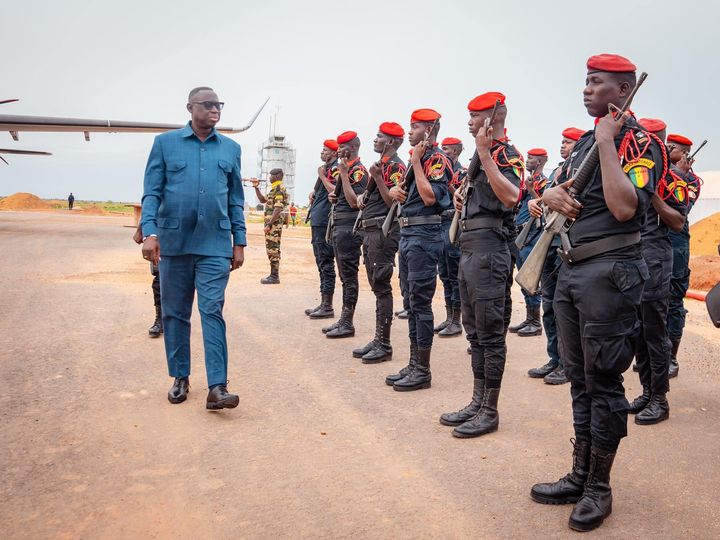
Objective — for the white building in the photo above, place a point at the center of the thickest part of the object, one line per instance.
(276, 152)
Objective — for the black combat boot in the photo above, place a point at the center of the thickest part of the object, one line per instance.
(570, 487)
(179, 390)
(514, 329)
(534, 326)
(382, 350)
(325, 309)
(485, 421)
(556, 376)
(454, 328)
(674, 367)
(402, 314)
(156, 329)
(467, 412)
(219, 398)
(391, 379)
(345, 326)
(596, 502)
(657, 410)
(419, 376)
(274, 277)
(640, 402)
(309, 310)
(448, 320)
(542, 371)
(362, 351)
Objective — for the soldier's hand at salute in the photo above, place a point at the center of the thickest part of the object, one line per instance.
(534, 208)
(608, 128)
(238, 257)
(398, 194)
(557, 198)
(458, 200)
(484, 138)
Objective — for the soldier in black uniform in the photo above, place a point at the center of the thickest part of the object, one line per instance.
(319, 214)
(597, 299)
(667, 211)
(378, 250)
(352, 181)
(552, 372)
(450, 260)
(495, 176)
(424, 197)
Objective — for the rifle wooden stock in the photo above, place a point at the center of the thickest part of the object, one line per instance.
(390, 218)
(455, 223)
(528, 277)
(331, 220)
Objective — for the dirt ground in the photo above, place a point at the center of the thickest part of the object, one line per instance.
(319, 446)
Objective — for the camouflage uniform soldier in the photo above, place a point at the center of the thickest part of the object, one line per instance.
(275, 203)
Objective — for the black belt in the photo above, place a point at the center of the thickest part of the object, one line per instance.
(419, 220)
(598, 247)
(372, 223)
(345, 215)
(480, 223)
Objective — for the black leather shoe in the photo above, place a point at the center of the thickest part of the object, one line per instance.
(362, 351)
(540, 372)
(219, 398)
(570, 487)
(325, 309)
(344, 328)
(485, 421)
(673, 368)
(596, 502)
(179, 390)
(470, 410)
(419, 376)
(391, 379)
(640, 402)
(309, 310)
(657, 410)
(454, 328)
(156, 330)
(447, 321)
(557, 376)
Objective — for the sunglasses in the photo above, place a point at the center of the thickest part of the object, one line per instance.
(209, 105)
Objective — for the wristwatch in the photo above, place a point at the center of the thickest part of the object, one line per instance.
(149, 236)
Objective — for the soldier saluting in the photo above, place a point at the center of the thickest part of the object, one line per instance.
(600, 284)
(275, 203)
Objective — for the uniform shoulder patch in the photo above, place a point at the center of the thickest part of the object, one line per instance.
(436, 167)
(638, 171)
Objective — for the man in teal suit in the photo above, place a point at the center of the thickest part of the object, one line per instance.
(193, 226)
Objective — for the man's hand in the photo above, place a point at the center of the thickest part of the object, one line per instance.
(534, 208)
(398, 194)
(484, 138)
(332, 198)
(343, 166)
(361, 201)
(418, 152)
(683, 164)
(238, 257)
(137, 237)
(608, 128)
(321, 171)
(557, 198)
(255, 182)
(458, 199)
(151, 249)
(375, 169)
(311, 198)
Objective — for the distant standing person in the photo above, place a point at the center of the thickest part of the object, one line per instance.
(156, 330)
(275, 203)
(71, 201)
(293, 213)
(192, 215)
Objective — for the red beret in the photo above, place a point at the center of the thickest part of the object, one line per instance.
(573, 133)
(331, 144)
(537, 152)
(425, 115)
(392, 129)
(653, 125)
(610, 62)
(485, 101)
(679, 139)
(448, 141)
(346, 137)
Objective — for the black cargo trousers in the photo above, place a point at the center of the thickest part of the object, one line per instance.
(597, 310)
(379, 259)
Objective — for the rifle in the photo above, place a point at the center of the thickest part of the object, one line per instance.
(528, 276)
(691, 157)
(318, 183)
(368, 191)
(525, 232)
(463, 189)
(394, 211)
(331, 220)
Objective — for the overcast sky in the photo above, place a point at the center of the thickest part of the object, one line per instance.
(331, 67)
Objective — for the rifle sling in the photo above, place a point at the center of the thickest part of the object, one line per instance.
(598, 247)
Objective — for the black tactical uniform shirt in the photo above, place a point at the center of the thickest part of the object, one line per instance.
(438, 171)
(358, 175)
(320, 211)
(393, 170)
